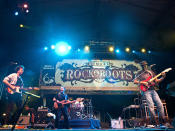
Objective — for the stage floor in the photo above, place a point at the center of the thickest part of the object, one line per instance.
(129, 129)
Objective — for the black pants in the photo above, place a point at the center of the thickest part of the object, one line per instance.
(13, 99)
(62, 111)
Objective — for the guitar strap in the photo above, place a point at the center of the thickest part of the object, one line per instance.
(143, 75)
(61, 97)
(19, 82)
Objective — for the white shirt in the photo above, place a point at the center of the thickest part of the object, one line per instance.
(12, 79)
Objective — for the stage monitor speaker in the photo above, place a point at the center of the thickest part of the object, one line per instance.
(24, 120)
(116, 124)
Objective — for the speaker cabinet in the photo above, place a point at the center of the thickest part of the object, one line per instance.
(24, 120)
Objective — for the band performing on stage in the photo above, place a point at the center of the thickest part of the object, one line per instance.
(87, 64)
(64, 111)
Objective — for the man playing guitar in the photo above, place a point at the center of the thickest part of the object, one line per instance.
(11, 81)
(60, 105)
(149, 93)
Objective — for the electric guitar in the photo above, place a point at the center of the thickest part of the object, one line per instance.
(64, 102)
(150, 80)
(18, 89)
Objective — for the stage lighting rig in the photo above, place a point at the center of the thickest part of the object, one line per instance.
(111, 48)
(143, 50)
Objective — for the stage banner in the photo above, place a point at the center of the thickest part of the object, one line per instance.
(92, 74)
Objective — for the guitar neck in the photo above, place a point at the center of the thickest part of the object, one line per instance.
(165, 71)
(152, 79)
(29, 88)
(66, 102)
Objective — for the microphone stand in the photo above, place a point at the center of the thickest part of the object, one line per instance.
(19, 112)
(22, 107)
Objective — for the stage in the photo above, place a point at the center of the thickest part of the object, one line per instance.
(129, 129)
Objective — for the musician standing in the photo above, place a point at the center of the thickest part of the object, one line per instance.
(150, 94)
(12, 81)
(61, 109)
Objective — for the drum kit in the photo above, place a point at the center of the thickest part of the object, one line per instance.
(81, 109)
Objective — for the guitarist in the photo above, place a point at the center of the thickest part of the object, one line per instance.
(11, 81)
(149, 93)
(61, 109)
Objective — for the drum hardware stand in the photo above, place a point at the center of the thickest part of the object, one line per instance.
(90, 110)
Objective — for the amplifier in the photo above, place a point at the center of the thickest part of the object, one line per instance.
(24, 120)
(41, 116)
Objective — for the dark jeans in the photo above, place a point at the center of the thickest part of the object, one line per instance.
(62, 111)
(13, 99)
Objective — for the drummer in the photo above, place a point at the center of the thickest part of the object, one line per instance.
(78, 104)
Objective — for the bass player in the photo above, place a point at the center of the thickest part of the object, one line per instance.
(150, 94)
(60, 105)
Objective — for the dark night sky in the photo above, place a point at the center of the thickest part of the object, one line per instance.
(137, 23)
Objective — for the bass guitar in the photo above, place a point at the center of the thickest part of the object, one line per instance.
(150, 80)
(65, 102)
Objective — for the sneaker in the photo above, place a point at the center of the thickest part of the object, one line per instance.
(166, 125)
(151, 126)
(162, 126)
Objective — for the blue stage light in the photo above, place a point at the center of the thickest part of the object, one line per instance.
(45, 48)
(117, 51)
(16, 13)
(69, 47)
(133, 51)
(149, 52)
(62, 48)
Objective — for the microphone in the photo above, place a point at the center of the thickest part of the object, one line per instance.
(152, 65)
(13, 63)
